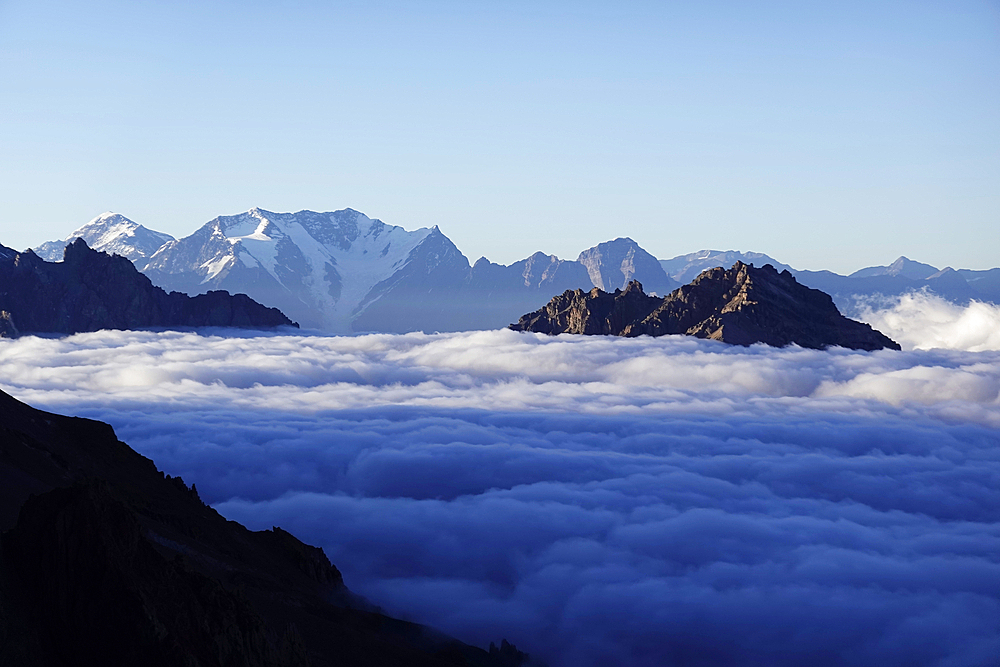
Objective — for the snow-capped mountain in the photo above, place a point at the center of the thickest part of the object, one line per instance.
(345, 272)
(324, 270)
(685, 268)
(111, 233)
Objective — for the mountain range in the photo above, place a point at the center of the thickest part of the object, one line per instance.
(344, 272)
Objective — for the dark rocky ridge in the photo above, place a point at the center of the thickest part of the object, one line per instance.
(90, 290)
(105, 560)
(742, 305)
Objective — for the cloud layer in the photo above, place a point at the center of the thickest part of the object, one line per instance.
(922, 321)
(597, 501)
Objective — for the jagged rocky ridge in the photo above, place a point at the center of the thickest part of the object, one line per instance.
(742, 305)
(106, 560)
(91, 290)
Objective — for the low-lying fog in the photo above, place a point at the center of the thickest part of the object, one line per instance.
(597, 501)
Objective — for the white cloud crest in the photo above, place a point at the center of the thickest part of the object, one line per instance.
(923, 321)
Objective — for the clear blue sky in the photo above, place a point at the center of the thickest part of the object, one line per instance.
(829, 135)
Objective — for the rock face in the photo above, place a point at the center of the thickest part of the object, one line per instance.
(106, 560)
(593, 313)
(90, 290)
(614, 264)
(7, 326)
(743, 305)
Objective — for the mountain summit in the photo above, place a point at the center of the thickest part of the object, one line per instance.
(903, 266)
(614, 264)
(742, 305)
(322, 269)
(111, 233)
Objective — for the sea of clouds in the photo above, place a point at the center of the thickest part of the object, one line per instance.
(597, 501)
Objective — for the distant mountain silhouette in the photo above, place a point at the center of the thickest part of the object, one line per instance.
(903, 266)
(90, 290)
(743, 305)
(685, 268)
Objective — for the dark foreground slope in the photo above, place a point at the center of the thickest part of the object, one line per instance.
(743, 305)
(104, 560)
(91, 290)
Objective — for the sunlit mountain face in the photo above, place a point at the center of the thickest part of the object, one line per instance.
(596, 500)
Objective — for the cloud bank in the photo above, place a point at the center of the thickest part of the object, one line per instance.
(597, 501)
(922, 321)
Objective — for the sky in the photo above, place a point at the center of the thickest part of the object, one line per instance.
(597, 501)
(828, 135)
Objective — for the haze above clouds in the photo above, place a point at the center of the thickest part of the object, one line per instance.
(597, 501)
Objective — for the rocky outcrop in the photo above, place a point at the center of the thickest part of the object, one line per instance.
(594, 313)
(106, 560)
(7, 327)
(91, 290)
(742, 305)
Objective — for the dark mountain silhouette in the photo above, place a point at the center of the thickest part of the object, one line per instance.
(91, 290)
(743, 305)
(106, 560)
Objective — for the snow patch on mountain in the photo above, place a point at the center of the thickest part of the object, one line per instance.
(685, 268)
(317, 267)
(112, 233)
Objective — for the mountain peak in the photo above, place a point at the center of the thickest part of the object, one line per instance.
(685, 268)
(612, 264)
(902, 266)
(112, 233)
(742, 305)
